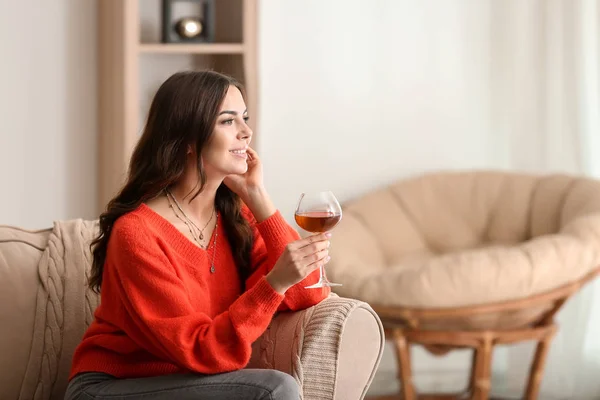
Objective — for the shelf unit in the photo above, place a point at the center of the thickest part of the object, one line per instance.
(120, 50)
(220, 48)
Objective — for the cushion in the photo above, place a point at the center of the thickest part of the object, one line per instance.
(453, 239)
(20, 253)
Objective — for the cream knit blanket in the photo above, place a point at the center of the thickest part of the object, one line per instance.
(65, 309)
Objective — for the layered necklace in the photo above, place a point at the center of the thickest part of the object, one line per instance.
(196, 232)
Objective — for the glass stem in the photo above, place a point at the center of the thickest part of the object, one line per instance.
(322, 277)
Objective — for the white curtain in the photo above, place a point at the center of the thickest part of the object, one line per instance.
(546, 114)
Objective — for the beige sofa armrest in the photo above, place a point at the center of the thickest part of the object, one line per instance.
(332, 349)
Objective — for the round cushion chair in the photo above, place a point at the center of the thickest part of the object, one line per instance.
(469, 260)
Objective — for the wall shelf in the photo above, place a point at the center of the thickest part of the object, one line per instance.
(132, 61)
(197, 48)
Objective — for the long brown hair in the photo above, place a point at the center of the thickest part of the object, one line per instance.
(183, 114)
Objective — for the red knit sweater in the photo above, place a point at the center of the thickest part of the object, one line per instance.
(162, 311)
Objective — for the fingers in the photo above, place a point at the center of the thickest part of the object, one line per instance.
(251, 152)
(303, 256)
(298, 244)
(252, 155)
(322, 260)
(312, 249)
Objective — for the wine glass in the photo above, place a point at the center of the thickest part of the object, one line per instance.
(318, 212)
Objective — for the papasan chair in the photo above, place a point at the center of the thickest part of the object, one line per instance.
(469, 259)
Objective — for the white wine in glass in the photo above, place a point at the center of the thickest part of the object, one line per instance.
(318, 212)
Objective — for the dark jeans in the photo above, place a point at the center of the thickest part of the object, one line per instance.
(245, 384)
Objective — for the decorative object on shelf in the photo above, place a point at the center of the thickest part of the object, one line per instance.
(189, 29)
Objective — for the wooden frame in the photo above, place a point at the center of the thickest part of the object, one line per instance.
(119, 50)
(403, 326)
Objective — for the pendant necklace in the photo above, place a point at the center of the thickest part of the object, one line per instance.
(191, 225)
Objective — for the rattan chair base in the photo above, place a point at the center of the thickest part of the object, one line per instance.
(402, 326)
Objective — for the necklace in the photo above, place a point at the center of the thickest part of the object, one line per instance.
(201, 235)
(189, 223)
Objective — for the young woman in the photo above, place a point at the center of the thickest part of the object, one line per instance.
(193, 259)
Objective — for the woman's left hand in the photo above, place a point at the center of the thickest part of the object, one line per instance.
(250, 188)
(245, 185)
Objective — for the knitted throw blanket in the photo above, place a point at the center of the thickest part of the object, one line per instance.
(65, 307)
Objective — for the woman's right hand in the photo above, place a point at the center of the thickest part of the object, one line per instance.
(298, 260)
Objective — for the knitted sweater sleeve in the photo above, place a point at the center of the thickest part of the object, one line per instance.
(162, 318)
(271, 236)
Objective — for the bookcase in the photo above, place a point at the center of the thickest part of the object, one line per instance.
(132, 62)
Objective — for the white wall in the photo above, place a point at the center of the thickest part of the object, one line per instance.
(47, 111)
(364, 95)
(356, 94)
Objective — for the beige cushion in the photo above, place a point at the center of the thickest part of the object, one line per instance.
(466, 238)
(20, 252)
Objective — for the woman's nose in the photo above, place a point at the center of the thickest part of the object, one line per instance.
(246, 133)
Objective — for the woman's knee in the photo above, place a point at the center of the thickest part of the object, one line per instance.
(282, 386)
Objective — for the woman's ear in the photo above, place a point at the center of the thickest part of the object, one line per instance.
(189, 149)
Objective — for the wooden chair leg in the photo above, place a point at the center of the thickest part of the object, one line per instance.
(470, 389)
(536, 371)
(483, 370)
(404, 368)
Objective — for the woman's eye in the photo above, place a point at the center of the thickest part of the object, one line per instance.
(228, 121)
(246, 119)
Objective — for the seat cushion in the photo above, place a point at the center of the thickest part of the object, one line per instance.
(472, 277)
(460, 239)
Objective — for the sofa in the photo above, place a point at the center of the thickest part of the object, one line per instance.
(332, 349)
